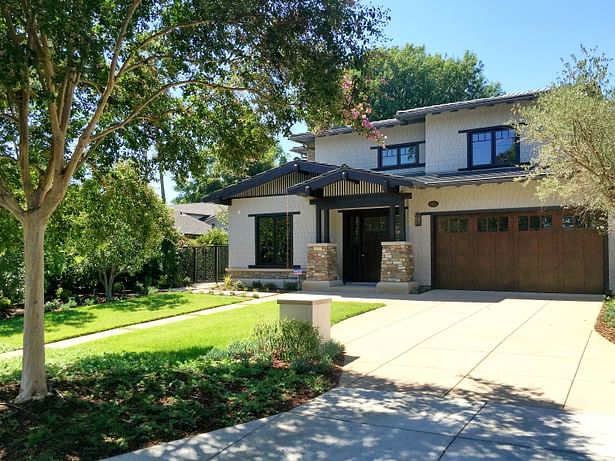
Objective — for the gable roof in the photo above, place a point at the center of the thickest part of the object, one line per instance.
(346, 173)
(225, 195)
(417, 115)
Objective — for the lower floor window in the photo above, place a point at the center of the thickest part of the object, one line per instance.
(274, 240)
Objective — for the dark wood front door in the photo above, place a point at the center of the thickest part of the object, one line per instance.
(364, 232)
(549, 251)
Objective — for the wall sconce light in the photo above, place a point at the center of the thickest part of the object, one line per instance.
(418, 219)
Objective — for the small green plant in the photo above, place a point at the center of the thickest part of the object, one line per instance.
(270, 286)
(257, 285)
(152, 290)
(72, 302)
(53, 305)
(89, 301)
(163, 281)
(186, 281)
(63, 294)
(290, 286)
(239, 285)
(255, 295)
(118, 287)
(228, 282)
(5, 305)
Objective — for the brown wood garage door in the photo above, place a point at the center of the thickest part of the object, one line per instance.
(548, 251)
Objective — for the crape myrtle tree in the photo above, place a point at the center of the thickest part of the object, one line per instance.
(572, 126)
(118, 225)
(81, 82)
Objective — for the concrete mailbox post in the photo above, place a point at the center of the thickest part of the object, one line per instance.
(313, 310)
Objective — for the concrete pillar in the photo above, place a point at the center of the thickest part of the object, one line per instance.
(313, 310)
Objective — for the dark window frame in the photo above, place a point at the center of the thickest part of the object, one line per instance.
(277, 241)
(492, 164)
(400, 165)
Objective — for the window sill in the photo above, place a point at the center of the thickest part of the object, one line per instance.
(399, 167)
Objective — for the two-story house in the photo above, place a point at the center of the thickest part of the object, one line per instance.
(441, 205)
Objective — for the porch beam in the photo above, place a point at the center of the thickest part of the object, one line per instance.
(326, 225)
(318, 224)
(361, 202)
(402, 220)
(391, 223)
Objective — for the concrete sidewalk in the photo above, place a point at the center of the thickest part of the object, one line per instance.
(140, 326)
(355, 424)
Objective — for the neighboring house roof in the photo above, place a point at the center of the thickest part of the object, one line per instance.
(186, 224)
(199, 208)
(417, 115)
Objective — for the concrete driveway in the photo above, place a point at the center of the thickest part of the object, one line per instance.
(540, 349)
(446, 376)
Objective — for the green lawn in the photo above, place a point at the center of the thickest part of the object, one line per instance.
(79, 321)
(195, 336)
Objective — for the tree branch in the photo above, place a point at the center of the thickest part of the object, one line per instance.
(135, 113)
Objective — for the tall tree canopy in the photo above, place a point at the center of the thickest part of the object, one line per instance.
(98, 80)
(408, 77)
(218, 175)
(573, 128)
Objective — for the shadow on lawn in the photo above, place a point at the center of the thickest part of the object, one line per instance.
(114, 403)
(53, 321)
(146, 303)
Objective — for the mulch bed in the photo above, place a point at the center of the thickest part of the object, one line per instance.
(602, 327)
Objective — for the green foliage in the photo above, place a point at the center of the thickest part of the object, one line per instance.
(215, 236)
(5, 305)
(228, 282)
(288, 339)
(63, 294)
(572, 127)
(120, 225)
(408, 77)
(119, 288)
(257, 285)
(218, 173)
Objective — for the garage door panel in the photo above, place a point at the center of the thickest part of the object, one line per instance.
(525, 251)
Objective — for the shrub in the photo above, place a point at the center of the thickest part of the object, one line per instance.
(215, 236)
(290, 286)
(72, 302)
(270, 286)
(118, 287)
(257, 285)
(152, 290)
(63, 294)
(239, 285)
(141, 288)
(228, 282)
(186, 281)
(5, 305)
(53, 305)
(163, 281)
(89, 301)
(288, 339)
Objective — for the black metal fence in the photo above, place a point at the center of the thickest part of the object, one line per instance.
(203, 264)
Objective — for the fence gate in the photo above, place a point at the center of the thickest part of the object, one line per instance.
(203, 264)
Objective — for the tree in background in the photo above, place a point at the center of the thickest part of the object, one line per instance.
(80, 81)
(218, 175)
(573, 127)
(408, 77)
(119, 225)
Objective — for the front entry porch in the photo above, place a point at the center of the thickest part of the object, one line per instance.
(360, 231)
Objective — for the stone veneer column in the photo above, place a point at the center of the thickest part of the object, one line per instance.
(397, 268)
(321, 267)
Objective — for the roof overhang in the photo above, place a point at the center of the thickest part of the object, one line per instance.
(225, 195)
(476, 177)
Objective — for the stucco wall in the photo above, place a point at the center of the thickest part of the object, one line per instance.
(242, 230)
(485, 197)
(355, 150)
(447, 148)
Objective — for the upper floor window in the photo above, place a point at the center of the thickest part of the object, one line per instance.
(493, 147)
(399, 156)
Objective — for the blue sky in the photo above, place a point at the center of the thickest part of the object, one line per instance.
(520, 43)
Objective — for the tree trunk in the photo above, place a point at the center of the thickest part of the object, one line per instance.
(33, 379)
(108, 282)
